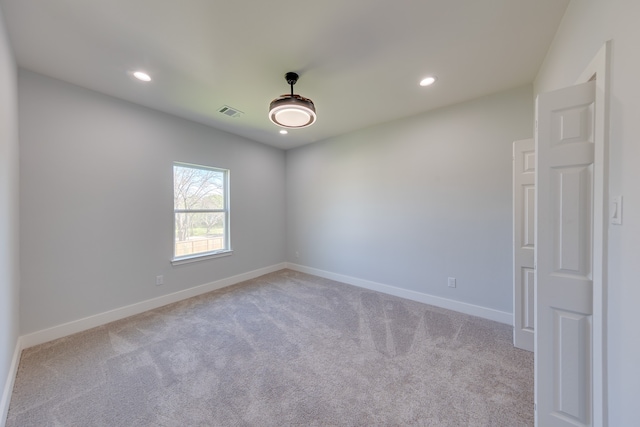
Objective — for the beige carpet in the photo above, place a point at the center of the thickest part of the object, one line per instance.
(285, 349)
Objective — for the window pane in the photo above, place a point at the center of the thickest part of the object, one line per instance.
(199, 232)
(195, 188)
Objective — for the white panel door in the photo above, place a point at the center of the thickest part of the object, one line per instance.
(563, 256)
(524, 170)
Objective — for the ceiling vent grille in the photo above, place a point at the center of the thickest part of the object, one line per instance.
(230, 111)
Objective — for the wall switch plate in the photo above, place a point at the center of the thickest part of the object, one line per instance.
(159, 280)
(616, 210)
(451, 282)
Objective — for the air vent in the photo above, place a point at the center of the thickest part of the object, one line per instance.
(230, 111)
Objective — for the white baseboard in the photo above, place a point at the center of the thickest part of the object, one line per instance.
(462, 307)
(8, 386)
(80, 325)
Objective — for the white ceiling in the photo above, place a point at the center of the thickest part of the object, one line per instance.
(359, 60)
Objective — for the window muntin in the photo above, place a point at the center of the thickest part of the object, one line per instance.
(201, 210)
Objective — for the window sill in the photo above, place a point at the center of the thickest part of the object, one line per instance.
(200, 257)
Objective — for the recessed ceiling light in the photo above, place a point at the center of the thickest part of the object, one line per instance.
(427, 81)
(283, 131)
(141, 75)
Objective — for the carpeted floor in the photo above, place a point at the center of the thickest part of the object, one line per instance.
(285, 349)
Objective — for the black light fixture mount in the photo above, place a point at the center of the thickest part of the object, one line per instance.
(292, 111)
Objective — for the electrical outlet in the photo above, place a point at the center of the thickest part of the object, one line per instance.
(159, 280)
(451, 282)
(297, 254)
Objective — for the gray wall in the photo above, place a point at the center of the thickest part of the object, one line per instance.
(97, 197)
(414, 201)
(9, 247)
(584, 28)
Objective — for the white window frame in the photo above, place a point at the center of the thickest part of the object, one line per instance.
(201, 256)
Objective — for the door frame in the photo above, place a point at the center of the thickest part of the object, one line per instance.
(599, 70)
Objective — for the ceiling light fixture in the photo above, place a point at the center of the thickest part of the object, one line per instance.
(292, 111)
(427, 81)
(141, 75)
(283, 132)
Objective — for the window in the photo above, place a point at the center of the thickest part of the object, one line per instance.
(201, 211)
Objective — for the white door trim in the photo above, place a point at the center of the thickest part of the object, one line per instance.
(598, 70)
